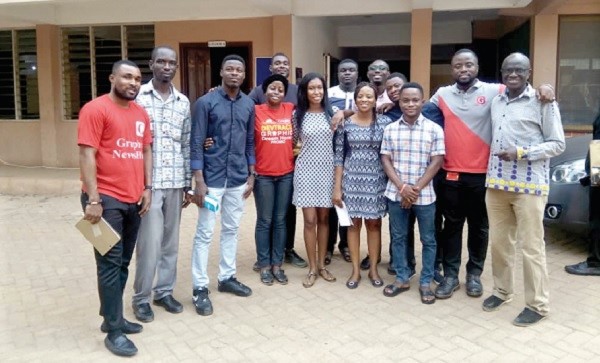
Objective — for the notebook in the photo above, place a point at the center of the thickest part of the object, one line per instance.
(101, 235)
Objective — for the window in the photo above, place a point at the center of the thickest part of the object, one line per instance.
(88, 54)
(579, 70)
(19, 98)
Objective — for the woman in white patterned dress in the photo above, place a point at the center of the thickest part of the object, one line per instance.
(360, 180)
(313, 176)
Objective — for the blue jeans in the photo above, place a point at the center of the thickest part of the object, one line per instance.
(399, 225)
(272, 195)
(231, 203)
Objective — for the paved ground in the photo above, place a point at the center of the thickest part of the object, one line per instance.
(49, 305)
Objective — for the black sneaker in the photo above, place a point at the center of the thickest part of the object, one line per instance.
(293, 258)
(438, 278)
(447, 288)
(120, 345)
(170, 304)
(255, 267)
(493, 303)
(143, 312)
(127, 328)
(233, 286)
(202, 302)
(474, 287)
(390, 270)
(365, 264)
(528, 317)
(583, 269)
(412, 273)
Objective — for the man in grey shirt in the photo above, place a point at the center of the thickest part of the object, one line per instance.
(525, 135)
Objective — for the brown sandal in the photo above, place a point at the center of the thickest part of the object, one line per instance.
(309, 280)
(326, 275)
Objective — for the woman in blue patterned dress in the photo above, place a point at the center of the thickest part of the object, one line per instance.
(359, 178)
(313, 176)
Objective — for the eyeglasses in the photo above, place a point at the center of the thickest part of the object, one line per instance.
(518, 71)
(378, 67)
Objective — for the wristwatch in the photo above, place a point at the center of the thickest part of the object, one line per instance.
(147, 187)
(254, 174)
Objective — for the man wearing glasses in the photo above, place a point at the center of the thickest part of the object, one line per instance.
(525, 135)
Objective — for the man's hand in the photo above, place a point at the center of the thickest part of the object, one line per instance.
(405, 204)
(199, 192)
(93, 213)
(337, 198)
(187, 199)
(508, 154)
(250, 187)
(145, 201)
(337, 119)
(208, 143)
(545, 93)
(385, 108)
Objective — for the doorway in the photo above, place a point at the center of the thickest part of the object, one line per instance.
(201, 66)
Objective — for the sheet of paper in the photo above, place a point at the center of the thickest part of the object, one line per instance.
(343, 217)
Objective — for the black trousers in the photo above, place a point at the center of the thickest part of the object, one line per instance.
(593, 259)
(112, 268)
(463, 200)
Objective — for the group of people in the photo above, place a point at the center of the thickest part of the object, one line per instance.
(373, 148)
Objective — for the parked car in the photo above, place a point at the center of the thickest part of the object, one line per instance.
(568, 201)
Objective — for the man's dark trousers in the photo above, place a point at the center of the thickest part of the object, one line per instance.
(112, 268)
(464, 199)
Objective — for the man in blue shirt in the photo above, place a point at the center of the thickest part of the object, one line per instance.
(225, 171)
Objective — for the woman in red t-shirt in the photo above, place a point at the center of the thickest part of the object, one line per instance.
(275, 174)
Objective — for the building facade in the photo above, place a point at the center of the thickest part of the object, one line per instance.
(56, 54)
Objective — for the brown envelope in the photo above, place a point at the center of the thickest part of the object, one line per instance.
(101, 235)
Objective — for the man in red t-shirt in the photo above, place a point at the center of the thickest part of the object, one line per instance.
(115, 158)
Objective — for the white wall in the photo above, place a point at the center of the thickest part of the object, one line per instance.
(311, 38)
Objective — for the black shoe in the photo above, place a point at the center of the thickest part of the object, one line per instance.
(255, 267)
(412, 273)
(390, 270)
(292, 257)
(474, 287)
(170, 304)
(120, 345)
(233, 286)
(528, 317)
(438, 278)
(447, 288)
(202, 302)
(127, 328)
(280, 276)
(266, 277)
(143, 312)
(365, 264)
(493, 303)
(583, 269)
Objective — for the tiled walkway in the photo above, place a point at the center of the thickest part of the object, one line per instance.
(49, 305)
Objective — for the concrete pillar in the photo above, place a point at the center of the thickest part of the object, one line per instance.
(544, 49)
(420, 48)
(48, 62)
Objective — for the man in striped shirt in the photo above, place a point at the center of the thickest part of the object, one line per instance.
(158, 238)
